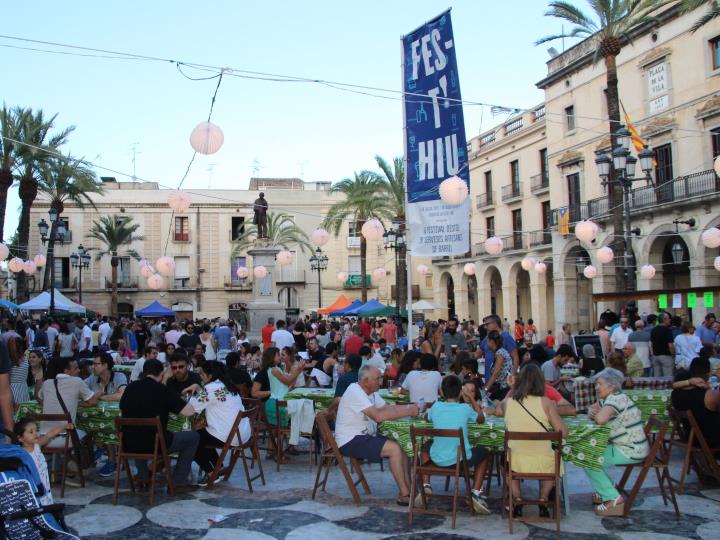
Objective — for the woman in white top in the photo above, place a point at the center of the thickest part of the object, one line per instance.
(221, 402)
(208, 342)
(66, 342)
(425, 383)
(687, 346)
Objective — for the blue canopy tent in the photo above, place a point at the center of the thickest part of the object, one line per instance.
(156, 309)
(346, 311)
(7, 304)
(372, 305)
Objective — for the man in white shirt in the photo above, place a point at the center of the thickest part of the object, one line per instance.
(281, 337)
(424, 384)
(104, 331)
(151, 353)
(361, 409)
(620, 335)
(53, 334)
(85, 342)
(173, 335)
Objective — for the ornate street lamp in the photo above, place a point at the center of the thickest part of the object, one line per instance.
(319, 263)
(80, 260)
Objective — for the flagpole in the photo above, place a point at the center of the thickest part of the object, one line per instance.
(408, 243)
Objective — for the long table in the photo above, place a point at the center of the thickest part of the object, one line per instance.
(99, 420)
(584, 389)
(323, 397)
(584, 446)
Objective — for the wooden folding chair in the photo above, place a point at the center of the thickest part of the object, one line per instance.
(330, 455)
(265, 431)
(237, 451)
(686, 434)
(70, 451)
(659, 459)
(158, 455)
(418, 437)
(510, 475)
(282, 433)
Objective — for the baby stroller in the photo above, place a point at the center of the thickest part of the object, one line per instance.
(21, 515)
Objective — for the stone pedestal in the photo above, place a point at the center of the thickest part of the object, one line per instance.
(264, 303)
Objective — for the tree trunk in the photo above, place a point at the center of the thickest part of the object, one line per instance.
(363, 267)
(6, 180)
(28, 192)
(401, 281)
(50, 259)
(114, 262)
(615, 192)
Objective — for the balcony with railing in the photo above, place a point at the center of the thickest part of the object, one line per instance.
(181, 283)
(540, 183)
(290, 275)
(486, 200)
(512, 192)
(539, 238)
(123, 282)
(514, 126)
(510, 243)
(576, 213)
(353, 242)
(237, 284)
(679, 190)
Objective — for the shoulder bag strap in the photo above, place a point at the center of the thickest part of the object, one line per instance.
(74, 437)
(534, 418)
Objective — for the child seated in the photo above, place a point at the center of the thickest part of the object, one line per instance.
(452, 414)
(27, 432)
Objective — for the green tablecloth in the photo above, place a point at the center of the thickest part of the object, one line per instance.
(584, 446)
(651, 402)
(323, 397)
(99, 420)
(126, 369)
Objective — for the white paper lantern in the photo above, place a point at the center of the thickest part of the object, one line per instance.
(155, 281)
(528, 263)
(372, 229)
(590, 271)
(716, 264)
(540, 267)
(242, 272)
(379, 274)
(29, 267)
(39, 260)
(711, 237)
(469, 268)
(453, 191)
(207, 138)
(342, 276)
(320, 237)
(716, 165)
(16, 264)
(422, 269)
(284, 257)
(165, 265)
(260, 272)
(493, 245)
(178, 200)
(605, 255)
(146, 271)
(647, 271)
(586, 231)
(4, 252)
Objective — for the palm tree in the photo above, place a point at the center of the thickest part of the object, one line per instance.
(394, 180)
(365, 198)
(65, 179)
(609, 22)
(115, 233)
(10, 122)
(37, 148)
(281, 231)
(713, 11)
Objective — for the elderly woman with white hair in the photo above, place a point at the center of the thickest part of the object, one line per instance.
(627, 442)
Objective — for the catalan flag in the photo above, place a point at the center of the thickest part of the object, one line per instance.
(637, 142)
(564, 221)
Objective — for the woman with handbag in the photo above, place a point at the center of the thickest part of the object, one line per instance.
(529, 411)
(220, 400)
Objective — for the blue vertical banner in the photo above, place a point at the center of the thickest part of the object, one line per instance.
(435, 145)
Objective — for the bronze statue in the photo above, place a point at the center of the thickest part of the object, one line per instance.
(260, 207)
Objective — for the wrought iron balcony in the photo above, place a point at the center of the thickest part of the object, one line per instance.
(540, 183)
(577, 213)
(540, 238)
(290, 275)
(486, 200)
(512, 192)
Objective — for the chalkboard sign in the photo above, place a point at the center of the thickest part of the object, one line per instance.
(583, 339)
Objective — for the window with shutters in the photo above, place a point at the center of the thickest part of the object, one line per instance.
(182, 272)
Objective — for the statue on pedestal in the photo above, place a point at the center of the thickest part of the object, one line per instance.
(260, 208)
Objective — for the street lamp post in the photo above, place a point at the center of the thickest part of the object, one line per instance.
(57, 231)
(80, 260)
(394, 239)
(319, 263)
(623, 164)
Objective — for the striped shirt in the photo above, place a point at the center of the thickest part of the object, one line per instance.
(626, 428)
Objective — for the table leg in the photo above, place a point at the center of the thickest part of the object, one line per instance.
(566, 492)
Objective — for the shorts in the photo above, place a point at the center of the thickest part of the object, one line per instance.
(364, 447)
(477, 455)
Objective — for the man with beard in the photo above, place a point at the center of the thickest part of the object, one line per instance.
(452, 339)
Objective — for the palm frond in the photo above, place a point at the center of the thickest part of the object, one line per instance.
(64, 178)
(113, 233)
(281, 230)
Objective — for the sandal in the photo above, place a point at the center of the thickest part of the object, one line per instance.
(517, 507)
(596, 499)
(403, 500)
(614, 508)
(543, 510)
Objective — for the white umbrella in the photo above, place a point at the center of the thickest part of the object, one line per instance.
(424, 305)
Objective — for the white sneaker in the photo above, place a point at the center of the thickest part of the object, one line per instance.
(479, 504)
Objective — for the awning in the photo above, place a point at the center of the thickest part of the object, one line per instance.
(156, 309)
(372, 305)
(42, 303)
(346, 311)
(341, 303)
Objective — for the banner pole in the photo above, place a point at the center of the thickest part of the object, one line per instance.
(408, 243)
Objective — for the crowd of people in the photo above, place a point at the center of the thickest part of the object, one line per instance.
(458, 371)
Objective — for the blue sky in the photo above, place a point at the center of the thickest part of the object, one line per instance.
(290, 129)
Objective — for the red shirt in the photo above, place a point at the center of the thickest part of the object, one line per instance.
(266, 333)
(390, 333)
(353, 344)
(550, 341)
(366, 329)
(519, 330)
